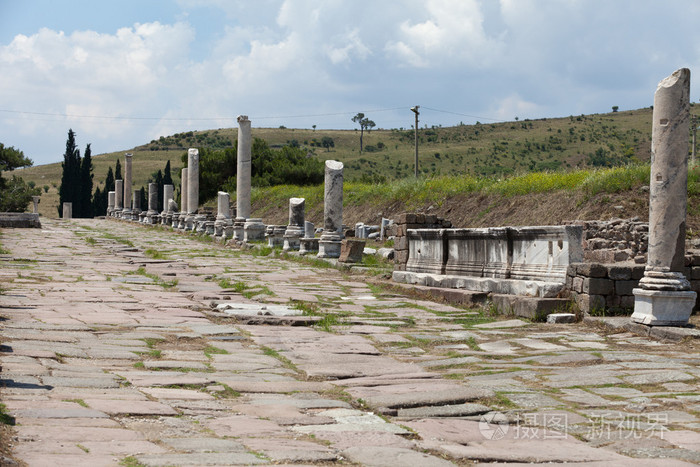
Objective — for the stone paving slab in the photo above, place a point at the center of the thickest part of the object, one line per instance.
(90, 347)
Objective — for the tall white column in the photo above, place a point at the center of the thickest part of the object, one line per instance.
(126, 212)
(664, 296)
(192, 187)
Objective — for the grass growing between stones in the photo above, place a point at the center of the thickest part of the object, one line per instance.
(155, 254)
(211, 350)
(5, 418)
(131, 461)
(156, 279)
(227, 393)
(118, 239)
(287, 363)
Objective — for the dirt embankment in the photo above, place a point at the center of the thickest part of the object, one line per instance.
(494, 211)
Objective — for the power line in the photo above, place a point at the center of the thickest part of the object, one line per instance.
(189, 119)
(463, 115)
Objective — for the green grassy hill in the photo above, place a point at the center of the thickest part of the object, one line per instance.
(498, 149)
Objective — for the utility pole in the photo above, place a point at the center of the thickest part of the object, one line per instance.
(415, 111)
(694, 122)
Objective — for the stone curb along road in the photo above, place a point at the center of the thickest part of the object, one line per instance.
(111, 356)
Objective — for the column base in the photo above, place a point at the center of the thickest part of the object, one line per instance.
(663, 307)
(329, 246)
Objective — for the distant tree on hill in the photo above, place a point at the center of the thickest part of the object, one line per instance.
(365, 124)
(327, 142)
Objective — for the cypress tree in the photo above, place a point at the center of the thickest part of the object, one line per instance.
(159, 183)
(99, 208)
(70, 177)
(144, 202)
(85, 188)
(167, 177)
(118, 171)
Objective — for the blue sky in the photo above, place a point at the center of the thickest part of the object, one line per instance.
(123, 73)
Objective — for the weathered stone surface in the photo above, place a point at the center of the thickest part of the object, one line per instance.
(376, 456)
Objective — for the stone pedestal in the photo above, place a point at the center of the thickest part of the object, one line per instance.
(329, 244)
(238, 225)
(126, 212)
(295, 229)
(253, 230)
(275, 235)
(110, 202)
(118, 197)
(663, 307)
(68, 210)
(243, 168)
(35, 200)
(308, 245)
(663, 296)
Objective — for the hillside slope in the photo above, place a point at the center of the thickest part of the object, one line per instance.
(496, 150)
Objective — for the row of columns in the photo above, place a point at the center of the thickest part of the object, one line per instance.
(297, 235)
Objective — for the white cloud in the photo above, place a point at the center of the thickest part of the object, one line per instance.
(451, 35)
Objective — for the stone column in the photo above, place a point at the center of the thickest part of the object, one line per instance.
(135, 205)
(68, 210)
(35, 200)
(183, 199)
(152, 203)
(664, 296)
(167, 195)
(295, 229)
(110, 202)
(126, 212)
(243, 175)
(329, 244)
(223, 217)
(119, 197)
(192, 187)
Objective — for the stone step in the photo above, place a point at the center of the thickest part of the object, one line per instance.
(535, 308)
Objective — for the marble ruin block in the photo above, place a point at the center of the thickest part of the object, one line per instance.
(168, 190)
(295, 229)
(223, 216)
(35, 200)
(351, 250)
(67, 210)
(664, 296)
(275, 235)
(110, 202)
(253, 230)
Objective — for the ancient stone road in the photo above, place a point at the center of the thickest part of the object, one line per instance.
(114, 355)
